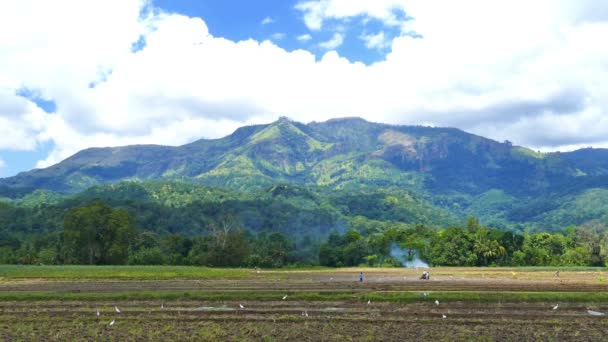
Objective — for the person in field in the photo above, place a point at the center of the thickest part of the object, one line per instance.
(360, 277)
(425, 275)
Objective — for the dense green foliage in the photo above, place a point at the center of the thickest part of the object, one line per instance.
(472, 245)
(161, 223)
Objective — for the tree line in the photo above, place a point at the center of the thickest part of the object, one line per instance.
(470, 245)
(99, 234)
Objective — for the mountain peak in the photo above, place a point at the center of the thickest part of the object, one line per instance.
(336, 153)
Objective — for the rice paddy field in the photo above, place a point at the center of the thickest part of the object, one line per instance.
(81, 303)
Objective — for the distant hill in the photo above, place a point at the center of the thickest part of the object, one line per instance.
(462, 173)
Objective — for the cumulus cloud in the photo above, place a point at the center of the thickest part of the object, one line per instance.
(335, 41)
(540, 80)
(316, 12)
(375, 41)
(304, 37)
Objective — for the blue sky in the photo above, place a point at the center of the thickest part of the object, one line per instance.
(78, 74)
(282, 23)
(237, 20)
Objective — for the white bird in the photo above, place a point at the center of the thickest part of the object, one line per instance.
(284, 297)
(595, 313)
(369, 301)
(162, 305)
(116, 309)
(556, 306)
(425, 294)
(436, 302)
(444, 316)
(112, 323)
(306, 313)
(97, 310)
(241, 306)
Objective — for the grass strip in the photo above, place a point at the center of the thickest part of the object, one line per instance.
(119, 272)
(399, 297)
(488, 296)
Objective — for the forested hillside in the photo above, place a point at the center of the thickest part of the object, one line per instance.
(342, 186)
(180, 223)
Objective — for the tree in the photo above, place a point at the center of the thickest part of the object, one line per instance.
(97, 234)
(118, 238)
(453, 247)
(487, 250)
(82, 230)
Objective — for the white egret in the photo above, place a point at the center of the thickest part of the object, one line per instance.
(97, 311)
(444, 316)
(436, 302)
(369, 301)
(241, 306)
(595, 313)
(284, 297)
(116, 309)
(426, 294)
(162, 305)
(112, 323)
(556, 306)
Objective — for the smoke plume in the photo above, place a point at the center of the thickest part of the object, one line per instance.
(408, 258)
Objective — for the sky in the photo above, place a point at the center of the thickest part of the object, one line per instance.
(91, 73)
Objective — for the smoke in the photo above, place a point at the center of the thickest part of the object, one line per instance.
(407, 257)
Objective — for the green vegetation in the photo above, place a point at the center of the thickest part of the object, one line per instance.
(398, 297)
(117, 272)
(340, 193)
(379, 243)
(177, 224)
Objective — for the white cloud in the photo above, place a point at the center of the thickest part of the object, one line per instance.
(335, 41)
(375, 41)
(316, 12)
(267, 20)
(541, 80)
(2, 164)
(277, 36)
(304, 37)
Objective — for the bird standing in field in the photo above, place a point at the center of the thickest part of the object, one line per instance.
(284, 297)
(116, 309)
(241, 306)
(436, 302)
(595, 313)
(162, 305)
(97, 311)
(112, 323)
(369, 301)
(556, 306)
(444, 316)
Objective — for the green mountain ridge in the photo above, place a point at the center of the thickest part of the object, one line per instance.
(454, 171)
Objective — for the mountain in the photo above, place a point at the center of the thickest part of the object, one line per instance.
(460, 172)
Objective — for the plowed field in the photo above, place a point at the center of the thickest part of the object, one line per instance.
(324, 305)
